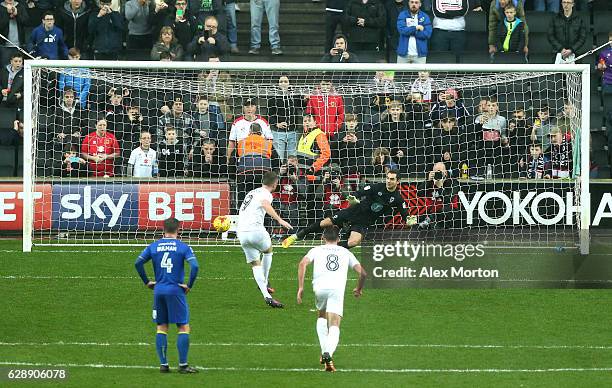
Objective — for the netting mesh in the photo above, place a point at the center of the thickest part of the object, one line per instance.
(478, 128)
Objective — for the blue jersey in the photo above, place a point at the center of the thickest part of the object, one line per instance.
(169, 256)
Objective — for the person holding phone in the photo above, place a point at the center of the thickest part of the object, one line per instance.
(339, 53)
(209, 42)
(106, 32)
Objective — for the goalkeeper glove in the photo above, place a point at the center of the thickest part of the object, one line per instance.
(352, 200)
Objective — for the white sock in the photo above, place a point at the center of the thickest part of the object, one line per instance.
(322, 332)
(333, 337)
(258, 275)
(267, 263)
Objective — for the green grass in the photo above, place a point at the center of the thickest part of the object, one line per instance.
(62, 296)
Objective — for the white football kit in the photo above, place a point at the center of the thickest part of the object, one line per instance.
(331, 264)
(252, 234)
(143, 162)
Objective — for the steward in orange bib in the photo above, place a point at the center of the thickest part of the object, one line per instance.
(254, 151)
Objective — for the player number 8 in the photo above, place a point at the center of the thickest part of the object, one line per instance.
(332, 263)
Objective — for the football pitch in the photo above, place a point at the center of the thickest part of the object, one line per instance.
(87, 312)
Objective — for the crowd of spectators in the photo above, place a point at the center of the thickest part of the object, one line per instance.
(322, 130)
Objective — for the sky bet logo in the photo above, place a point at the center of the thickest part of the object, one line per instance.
(95, 207)
(131, 207)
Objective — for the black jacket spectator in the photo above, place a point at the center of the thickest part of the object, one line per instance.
(374, 16)
(201, 9)
(204, 50)
(393, 9)
(567, 33)
(21, 18)
(351, 152)
(74, 24)
(284, 107)
(15, 96)
(517, 37)
(106, 34)
(183, 30)
(171, 159)
(201, 167)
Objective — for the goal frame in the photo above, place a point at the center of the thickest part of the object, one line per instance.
(29, 65)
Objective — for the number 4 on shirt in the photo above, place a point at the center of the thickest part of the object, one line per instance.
(166, 262)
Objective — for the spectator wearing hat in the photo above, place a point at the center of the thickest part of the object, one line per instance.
(241, 127)
(364, 24)
(176, 117)
(415, 30)
(106, 28)
(567, 32)
(449, 104)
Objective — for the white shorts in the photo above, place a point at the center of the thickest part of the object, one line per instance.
(332, 301)
(253, 243)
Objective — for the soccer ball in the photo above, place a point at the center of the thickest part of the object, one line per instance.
(222, 224)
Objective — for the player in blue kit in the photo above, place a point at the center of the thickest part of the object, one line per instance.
(170, 303)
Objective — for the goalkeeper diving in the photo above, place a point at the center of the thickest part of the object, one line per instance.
(367, 205)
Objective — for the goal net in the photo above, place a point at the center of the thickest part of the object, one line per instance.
(489, 152)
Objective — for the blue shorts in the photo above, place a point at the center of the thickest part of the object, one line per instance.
(170, 309)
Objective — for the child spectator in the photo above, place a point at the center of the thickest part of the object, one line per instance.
(560, 154)
(423, 85)
(511, 33)
(171, 155)
(535, 165)
(72, 165)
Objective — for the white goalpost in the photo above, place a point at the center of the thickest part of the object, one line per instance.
(84, 186)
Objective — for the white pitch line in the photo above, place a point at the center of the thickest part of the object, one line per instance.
(366, 345)
(102, 277)
(318, 370)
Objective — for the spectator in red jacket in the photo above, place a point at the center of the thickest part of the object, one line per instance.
(327, 107)
(100, 148)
